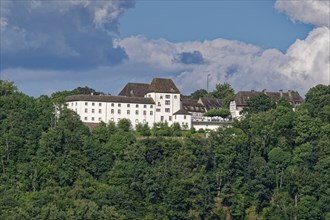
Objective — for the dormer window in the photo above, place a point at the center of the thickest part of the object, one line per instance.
(167, 96)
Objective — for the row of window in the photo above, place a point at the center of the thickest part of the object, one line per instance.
(129, 112)
(93, 110)
(93, 119)
(113, 105)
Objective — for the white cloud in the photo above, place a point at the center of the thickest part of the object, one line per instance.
(244, 66)
(315, 12)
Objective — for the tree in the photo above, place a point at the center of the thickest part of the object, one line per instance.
(318, 101)
(259, 103)
(223, 113)
(225, 92)
(7, 87)
(124, 124)
(143, 129)
(198, 94)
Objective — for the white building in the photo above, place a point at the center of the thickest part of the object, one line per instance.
(140, 103)
(242, 97)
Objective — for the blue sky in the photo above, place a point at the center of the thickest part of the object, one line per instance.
(255, 22)
(49, 46)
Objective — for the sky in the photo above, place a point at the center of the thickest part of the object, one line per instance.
(49, 45)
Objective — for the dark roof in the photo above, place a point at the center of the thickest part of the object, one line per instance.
(291, 96)
(107, 98)
(163, 86)
(182, 112)
(192, 106)
(211, 103)
(134, 90)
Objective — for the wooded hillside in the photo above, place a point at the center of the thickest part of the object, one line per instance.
(274, 164)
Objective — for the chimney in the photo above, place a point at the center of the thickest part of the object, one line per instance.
(281, 93)
(264, 91)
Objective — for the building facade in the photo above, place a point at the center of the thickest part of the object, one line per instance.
(140, 103)
(241, 98)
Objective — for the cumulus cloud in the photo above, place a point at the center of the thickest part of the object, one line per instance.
(71, 34)
(244, 66)
(315, 12)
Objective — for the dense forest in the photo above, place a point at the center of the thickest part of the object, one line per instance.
(274, 164)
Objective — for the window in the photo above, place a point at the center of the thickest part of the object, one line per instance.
(136, 112)
(167, 110)
(100, 119)
(175, 96)
(159, 104)
(149, 96)
(136, 121)
(93, 103)
(100, 104)
(71, 103)
(150, 106)
(144, 121)
(76, 103)
(184, 117)
(144, 106)
(157, 109)
(100, 110)
(85, 118)
(151, 113)
(112, 111)
(137, 106)
(167, 102)
(167, 96)
(144, 112)
(112, 119)
(112, 104)
(93, 110)
(119, 105)
(162, 118)
(76, 110)
(86, 110)
(128, 112)
(92, 118)
(86, 103)
(170, 118)
(119, 112)
(161, 97)
(128, 105)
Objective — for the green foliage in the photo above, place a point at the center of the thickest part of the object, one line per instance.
(224, 113)
(271, 165)
(318, 101)
(7, 88)
(124, 124)
(225, 92)
(259, 103)
(198, 94)
(143, 129)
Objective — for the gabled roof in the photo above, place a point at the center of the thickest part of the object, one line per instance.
(134, 90)
(107, 98)
(242, 97)
(211, 103)
(192, 106)
(163, 86)
(182, 112)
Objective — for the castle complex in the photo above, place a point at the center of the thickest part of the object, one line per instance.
(159, 101)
